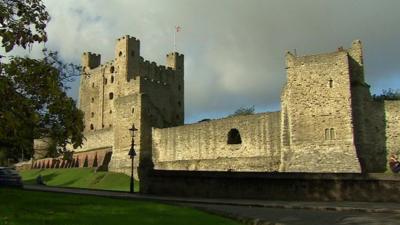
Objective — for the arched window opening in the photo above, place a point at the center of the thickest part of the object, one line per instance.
(133, 110)
(111, 95)
(91, 126)
(112, 69)
(234, 137)
(92, 100)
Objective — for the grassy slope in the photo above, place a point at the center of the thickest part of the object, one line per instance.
(80, 178)
(20, 207)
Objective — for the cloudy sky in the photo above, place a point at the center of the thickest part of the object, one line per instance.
(234, 49)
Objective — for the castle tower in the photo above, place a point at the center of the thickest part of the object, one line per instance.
(129, 91)
(127, 55)
(176, 62)
(317, 122)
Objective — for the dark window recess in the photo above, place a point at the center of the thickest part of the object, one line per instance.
(110, 111)
(133, 110)
(234, 137)
(331, 83)
(132, 53)
(332, 134)
(327, 135)
(92, 99)
(112, 79)
(112, 69)
(177, 117)
(91, 126)
(179, 104)
(111, 95)
(93, 85)
(92, 114)
(120, 54)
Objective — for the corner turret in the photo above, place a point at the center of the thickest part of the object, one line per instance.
(175, 61)
(127, 55)
(90, 60)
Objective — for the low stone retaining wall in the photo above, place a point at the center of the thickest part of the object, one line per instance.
(95, 159)
(275, 186)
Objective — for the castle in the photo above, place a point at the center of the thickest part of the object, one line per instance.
(328, 121)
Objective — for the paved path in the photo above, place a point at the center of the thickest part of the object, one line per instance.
(268, 212)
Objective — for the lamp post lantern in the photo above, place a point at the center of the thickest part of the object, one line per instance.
(132, 154)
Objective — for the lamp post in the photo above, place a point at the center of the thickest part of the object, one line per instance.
(132, 154)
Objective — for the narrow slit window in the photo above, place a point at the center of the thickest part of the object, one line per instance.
(91, 126)
(327, 135)
(111, 95)
(330, 83)
(332, 134)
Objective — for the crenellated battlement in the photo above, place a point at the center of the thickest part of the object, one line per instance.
(108, 88)
(90, 60)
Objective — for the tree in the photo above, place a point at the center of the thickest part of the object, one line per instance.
(22, 22)
(33, 99)
(389, 94)
(34, 104)
(243, 111)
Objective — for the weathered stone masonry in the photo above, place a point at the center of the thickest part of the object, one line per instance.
(329, 123)
(328, 120)
(129, 91)
(204, 146)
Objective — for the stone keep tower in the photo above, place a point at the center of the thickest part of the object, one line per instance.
(129, 91)
(323, 109)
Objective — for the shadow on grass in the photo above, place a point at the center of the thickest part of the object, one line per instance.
(47, 178)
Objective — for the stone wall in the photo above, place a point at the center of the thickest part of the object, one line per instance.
(204, 145)
(93, 159)
(103, 138)
(317, 129)
(275, 186)
(392, 116)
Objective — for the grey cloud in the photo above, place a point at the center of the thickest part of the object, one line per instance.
(234, 49)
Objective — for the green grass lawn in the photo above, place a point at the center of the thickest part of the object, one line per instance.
(22, 207)
(80, 178)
